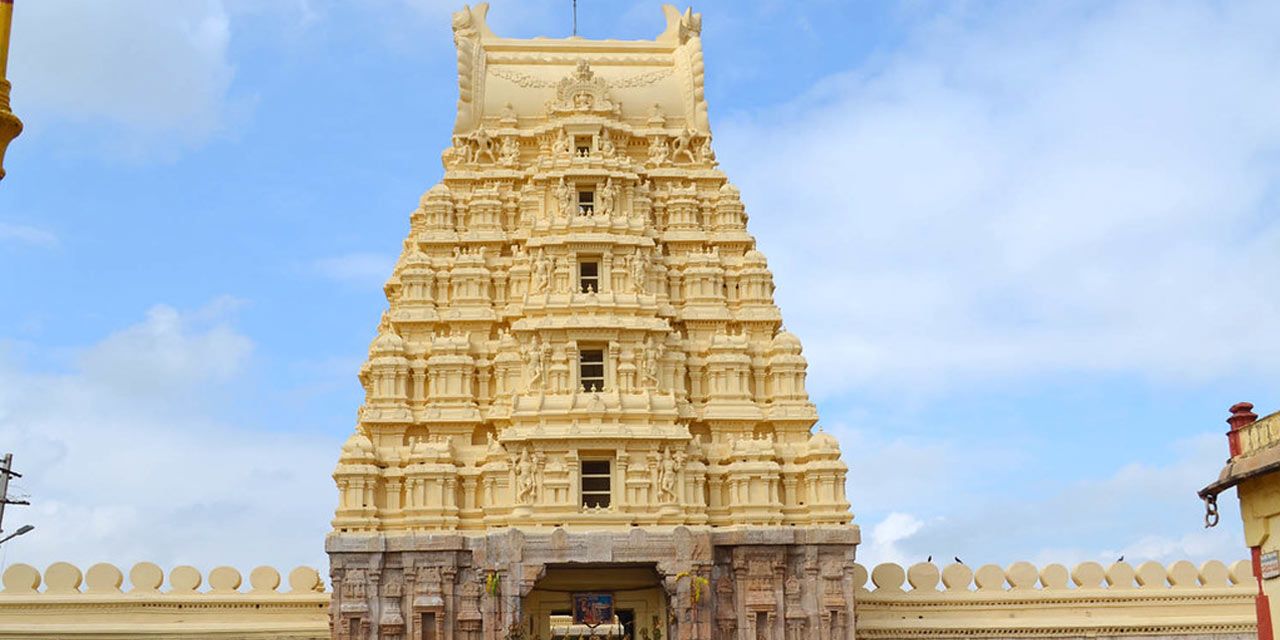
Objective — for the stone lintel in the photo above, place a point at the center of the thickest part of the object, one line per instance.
(848, 535)
(598, 546)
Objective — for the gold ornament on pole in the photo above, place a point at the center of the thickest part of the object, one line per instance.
(10, 125)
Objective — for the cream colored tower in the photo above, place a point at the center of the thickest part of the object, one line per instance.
(582, 379)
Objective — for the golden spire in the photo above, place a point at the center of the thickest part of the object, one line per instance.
(10, 125)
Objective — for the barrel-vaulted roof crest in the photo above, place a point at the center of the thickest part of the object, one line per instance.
(528, 80)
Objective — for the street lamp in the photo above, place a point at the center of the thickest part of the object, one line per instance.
(21, 530)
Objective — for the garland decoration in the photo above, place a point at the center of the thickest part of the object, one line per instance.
(698, 583)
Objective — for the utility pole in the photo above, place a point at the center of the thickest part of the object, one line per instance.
(6, 470)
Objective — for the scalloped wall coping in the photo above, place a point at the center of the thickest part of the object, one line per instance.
(1022, 601)
(1020, 577)
(923, 600)
(146, 578)
(65, 602)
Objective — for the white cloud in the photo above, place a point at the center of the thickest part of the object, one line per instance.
(129, 457)
(163, 351)
(881, 545)
(890, 472)
(1139, 511)
(1030, 190)
(25, 234)
(362, 269)
(158, 69)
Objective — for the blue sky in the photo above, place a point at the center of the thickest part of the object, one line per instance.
(1030, 249)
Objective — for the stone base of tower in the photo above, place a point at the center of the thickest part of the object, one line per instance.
(667, 584)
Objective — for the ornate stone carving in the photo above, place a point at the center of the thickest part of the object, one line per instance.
(581, 337)
(582, 91)
(510, 153)
(526, 485)
(667, 474)
(658, 151)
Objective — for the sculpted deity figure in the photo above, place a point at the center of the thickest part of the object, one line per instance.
(705, 153)
(656, 116)
(524, 478)
(562, 285)
(459, 154)
(484, 145)
(562, 145)
(541, 273)
(428, 285)
(508, 115)
(683, 146)
(639, 271)
(533, 360)
(608, 194)
(667, 477)
(564, 200)
(494, 449)
(510, 154)
(657, 151)
(653, 356)
(606, 145)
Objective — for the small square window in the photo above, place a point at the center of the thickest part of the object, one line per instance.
(586, 203)
(582, 144)
(595, 467)
(591, 369)
(589, 276)
(596, 481)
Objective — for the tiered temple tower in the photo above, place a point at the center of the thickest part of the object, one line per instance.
(582, 384)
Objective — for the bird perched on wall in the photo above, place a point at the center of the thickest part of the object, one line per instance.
(958, 560)
(1120, 559)
(929, 559)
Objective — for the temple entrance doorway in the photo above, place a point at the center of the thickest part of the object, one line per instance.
(615, 601)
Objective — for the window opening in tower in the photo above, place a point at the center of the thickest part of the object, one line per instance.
(589, 276)
(596, 482)
(591, 369)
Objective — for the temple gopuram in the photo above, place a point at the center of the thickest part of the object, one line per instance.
(582, 412)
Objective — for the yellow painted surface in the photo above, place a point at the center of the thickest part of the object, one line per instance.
(10, 125)
(6, 22)
(1260, 506)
